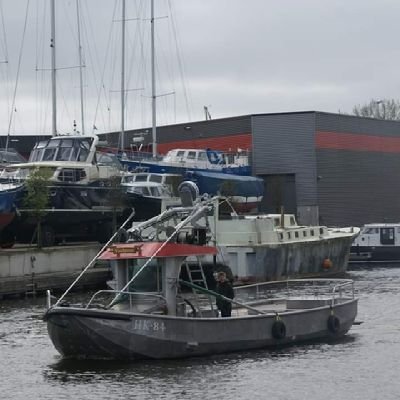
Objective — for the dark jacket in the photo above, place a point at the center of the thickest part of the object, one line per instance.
(225, 289)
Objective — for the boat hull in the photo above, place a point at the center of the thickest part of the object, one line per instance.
(270, 262)
(106, 334)
(364, 254)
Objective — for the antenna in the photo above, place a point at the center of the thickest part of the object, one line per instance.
(207, 113)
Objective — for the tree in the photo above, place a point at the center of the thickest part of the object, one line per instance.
(36, 198)
(388, 109)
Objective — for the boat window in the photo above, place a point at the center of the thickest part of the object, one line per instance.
(64, 154)
(53, 143)
(296, 234)
(141, 178)
(142, 190)
(149, 280)
(321, 231)
(289, 236)
(277, 221)
(191, 155)
(312, 232)
(292, 221)
(371, 231)
(156, 178)
(154, 191)
(305, 233)
(202, 156)
(71, 175)
(127, 179)
(180, 153)
(281, 236)
(49, 154)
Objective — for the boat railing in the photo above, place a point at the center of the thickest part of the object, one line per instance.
(122, 295)
(330, 289)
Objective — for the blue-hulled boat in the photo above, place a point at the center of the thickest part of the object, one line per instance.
(179, 161)
(244, 192)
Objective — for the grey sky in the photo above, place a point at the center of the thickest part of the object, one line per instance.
(239, 57)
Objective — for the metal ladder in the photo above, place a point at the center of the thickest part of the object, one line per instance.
(196, 276)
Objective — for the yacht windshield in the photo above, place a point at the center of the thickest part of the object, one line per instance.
(62, 149)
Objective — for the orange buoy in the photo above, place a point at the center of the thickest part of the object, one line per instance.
(327, 263)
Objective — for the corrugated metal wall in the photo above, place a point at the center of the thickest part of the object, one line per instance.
(191, 133)
(284, 144)
(358, 165)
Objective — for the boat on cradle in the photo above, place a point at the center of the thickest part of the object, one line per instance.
(150, 315)
(256, 247)
(148, 194)
(179, 161)
(378, 242)
(10, 196)
(81, 188)
(245, 193)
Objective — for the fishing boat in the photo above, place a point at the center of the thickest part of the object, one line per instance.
(150, 315)
(377, 242)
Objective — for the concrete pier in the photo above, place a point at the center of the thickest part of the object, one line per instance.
(27, 270)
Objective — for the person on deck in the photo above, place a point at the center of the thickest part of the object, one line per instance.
(224, 288)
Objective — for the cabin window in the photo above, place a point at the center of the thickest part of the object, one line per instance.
(149, 280)
(296, 235)
(141, 178)
(281, 236)
(64, 154)
(321, 231)
(371, 231)
(312, 232)
(277, 221)
(289, 235)
(202, 156)
(191, 155)
(292, 221)
(156, 178)
(155, 191)
(180, 153)
(49, 154)
(305, 233)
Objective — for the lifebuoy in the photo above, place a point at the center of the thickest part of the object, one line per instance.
(333, 324)
(278, 329)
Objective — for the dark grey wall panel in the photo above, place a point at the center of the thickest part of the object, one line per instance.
(358, 187)
(285, 144)
(188, 131)
(352, 124)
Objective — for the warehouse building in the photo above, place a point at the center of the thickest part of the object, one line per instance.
(326, 168)
(334, 169)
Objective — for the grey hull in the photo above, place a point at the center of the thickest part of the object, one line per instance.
(93, 333)
(288, 260)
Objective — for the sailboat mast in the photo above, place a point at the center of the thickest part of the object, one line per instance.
(80, 67)
(153, 84)
(53, 67)
(123, 79)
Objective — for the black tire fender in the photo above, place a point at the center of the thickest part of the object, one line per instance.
(333, 324)
(278, 329)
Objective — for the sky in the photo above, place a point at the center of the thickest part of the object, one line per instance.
(235, 57)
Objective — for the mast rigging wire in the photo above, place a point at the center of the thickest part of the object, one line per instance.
(17, 77)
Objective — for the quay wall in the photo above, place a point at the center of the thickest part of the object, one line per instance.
(28, 270)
